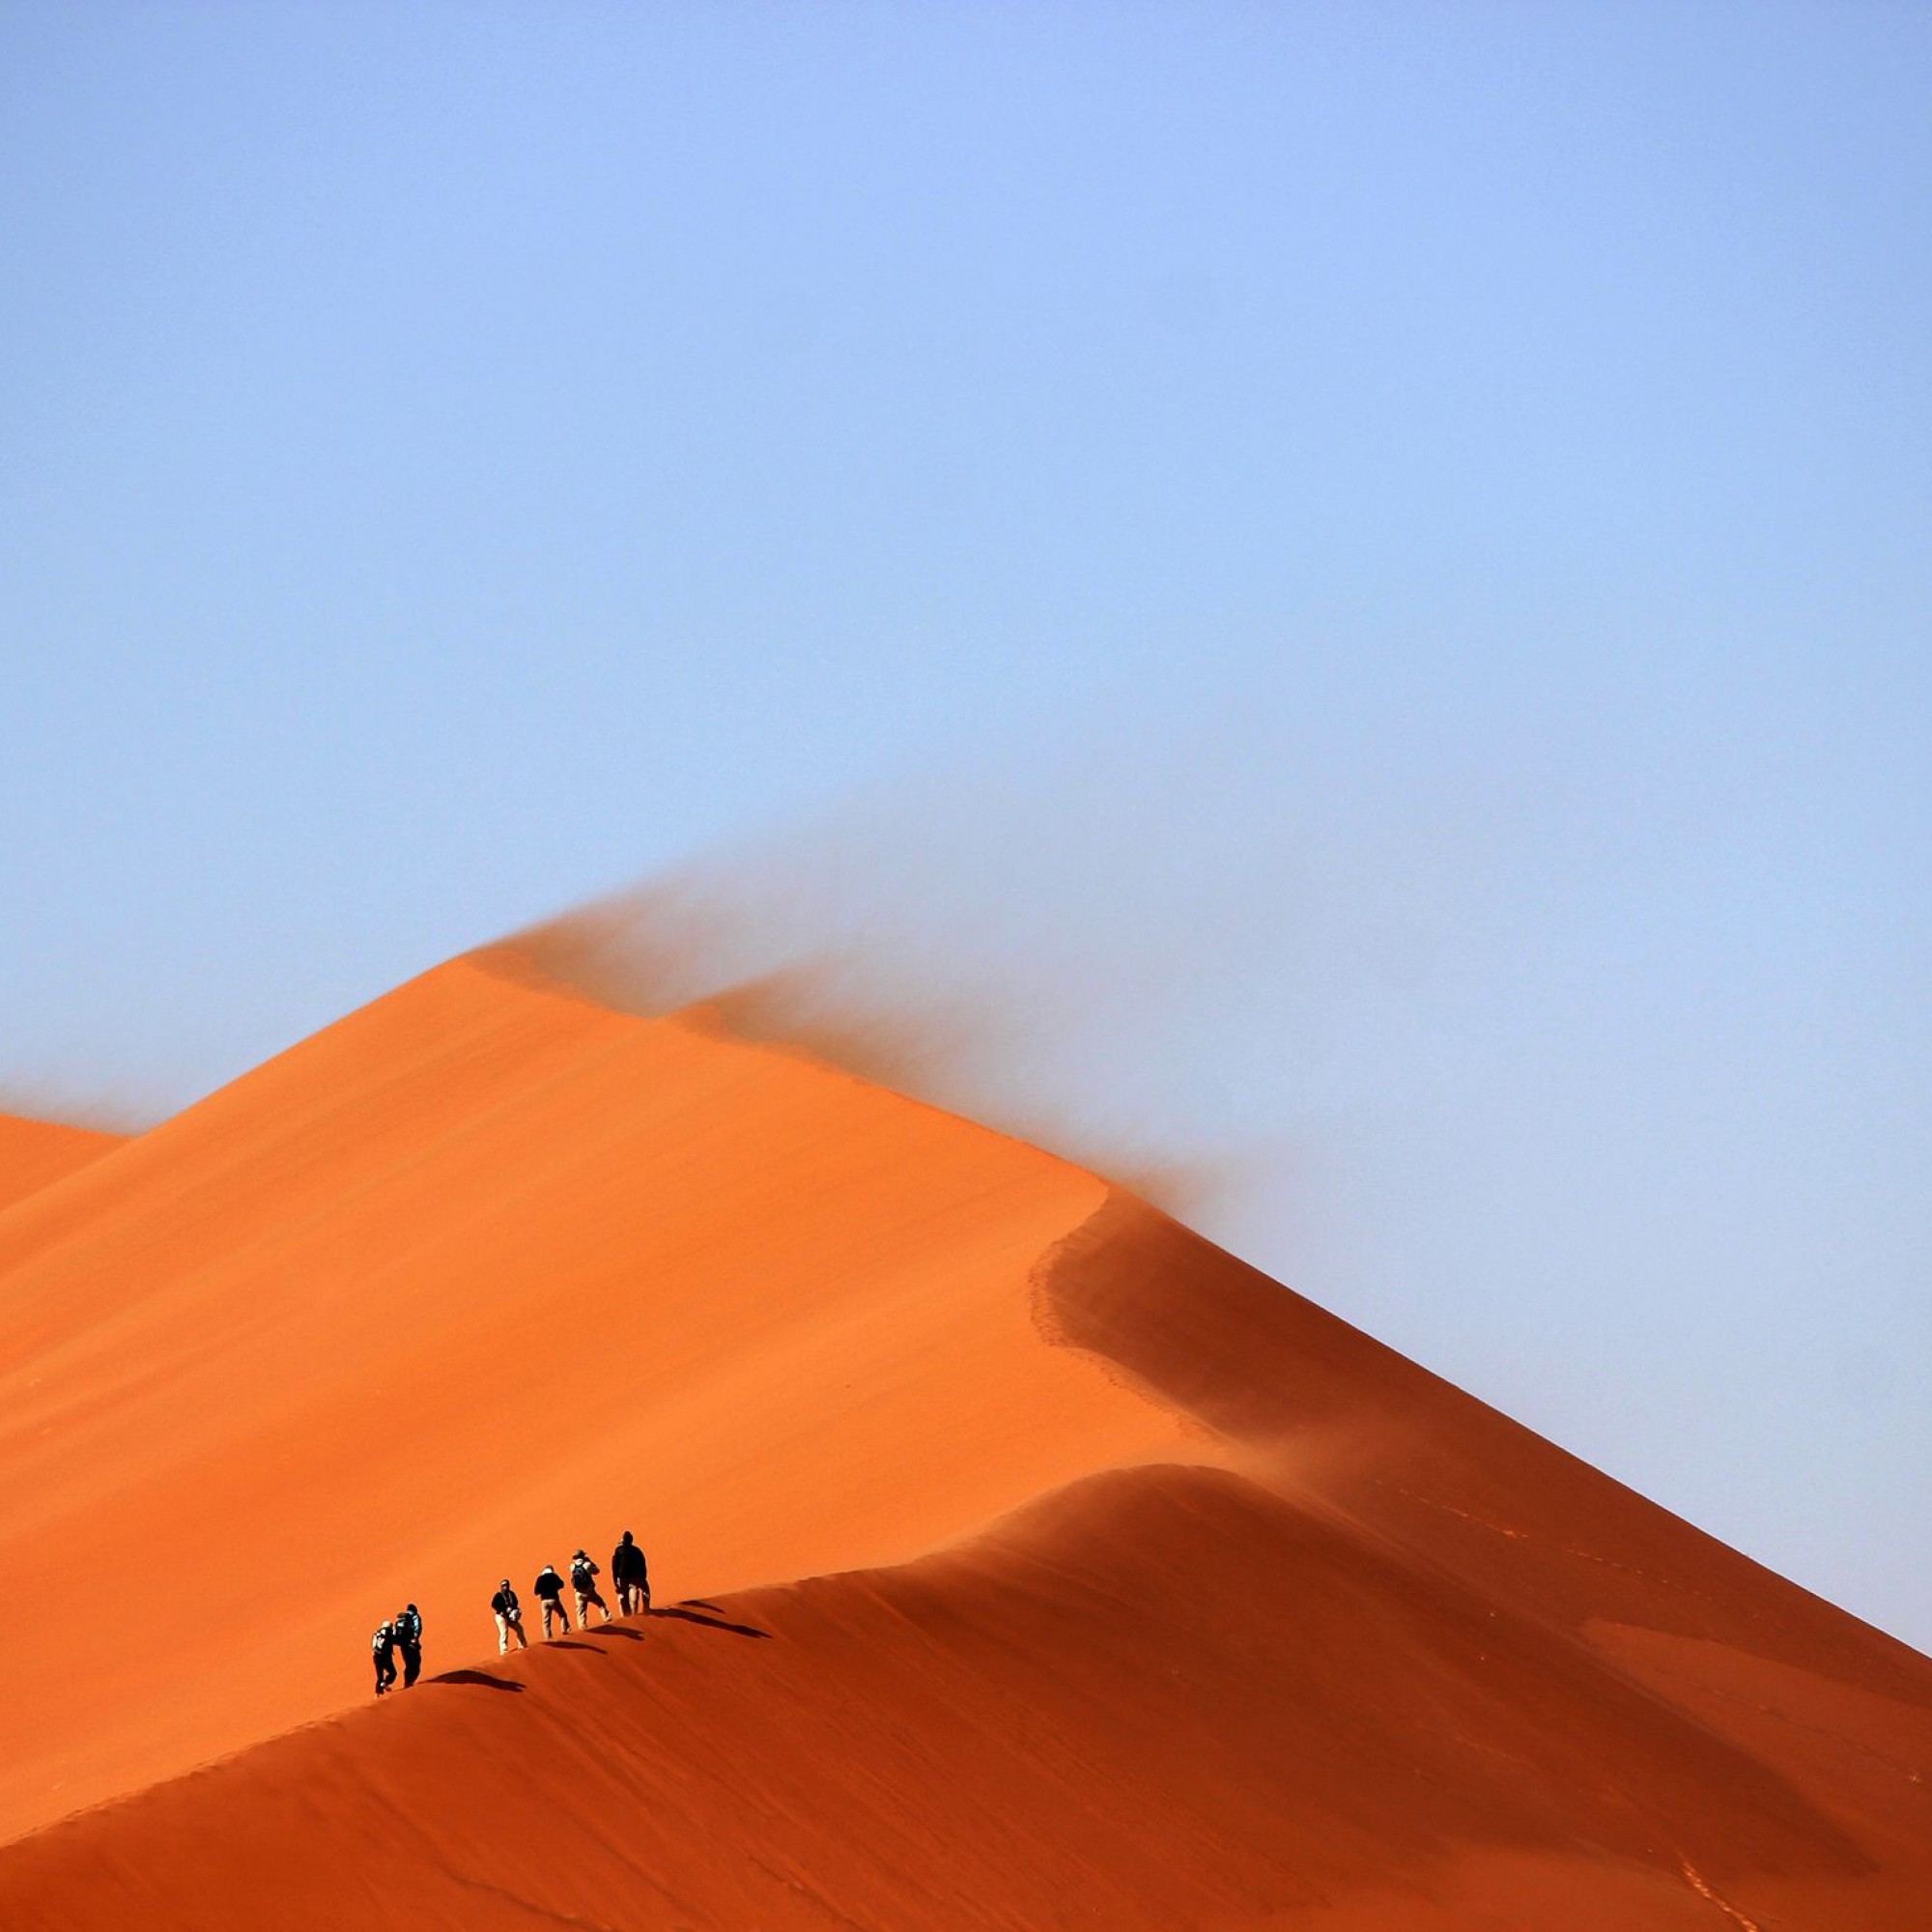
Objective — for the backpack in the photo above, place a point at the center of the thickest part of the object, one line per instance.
(583, 1576)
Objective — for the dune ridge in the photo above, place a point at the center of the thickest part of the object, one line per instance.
(1042, 1564)
(974, 1739)
(35, 1153)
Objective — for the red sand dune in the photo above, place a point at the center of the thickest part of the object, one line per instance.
(1203, 1609)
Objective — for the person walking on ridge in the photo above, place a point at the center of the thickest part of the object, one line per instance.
(584, 1586)
(383, 1648)
(509, 1618)
(549, 1588)
(630, 1577)
(410, 1641)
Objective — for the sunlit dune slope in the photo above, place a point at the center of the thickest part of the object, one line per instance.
(35, 1153)
(1158, 1699)
(478, 1273)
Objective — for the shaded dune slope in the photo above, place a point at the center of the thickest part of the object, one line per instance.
(35, 1153)
(1202, 1608)
(1309, 1405)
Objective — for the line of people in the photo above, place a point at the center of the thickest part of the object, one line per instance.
(628, 1573)
(401, 1637)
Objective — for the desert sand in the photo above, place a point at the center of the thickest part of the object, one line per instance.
(1021, 1558)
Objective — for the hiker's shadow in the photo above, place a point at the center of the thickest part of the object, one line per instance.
(710, 1623)
(481, 1677)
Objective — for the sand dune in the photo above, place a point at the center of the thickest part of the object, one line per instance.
(1138, 1591)
(476, 1274)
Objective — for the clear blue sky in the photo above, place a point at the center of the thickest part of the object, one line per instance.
(1392, 543)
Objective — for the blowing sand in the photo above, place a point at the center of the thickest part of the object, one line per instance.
(1021, 1558)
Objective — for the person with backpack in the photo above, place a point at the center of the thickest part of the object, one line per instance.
(549, 1588)
(584, 1585)
(409, 1624)
(630, 1577)
(383, 1648)
(509, 1618)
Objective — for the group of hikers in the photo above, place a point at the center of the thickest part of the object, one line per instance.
(627, 1571)
(402, 1634)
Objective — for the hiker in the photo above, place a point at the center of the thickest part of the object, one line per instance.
(632, 1578)
(584, 1585)
(383, 1648)
(549, 1588)
(410, 1641)
(509, 1618)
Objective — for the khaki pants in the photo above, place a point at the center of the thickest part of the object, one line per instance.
(632, 1598)
(553, 1608)
(506, 1631)
(585, 1599)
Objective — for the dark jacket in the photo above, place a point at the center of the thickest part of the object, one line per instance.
(384, 1643)
(504, 1604)
(409, 1629)
(627, 1563)
(549, 1584)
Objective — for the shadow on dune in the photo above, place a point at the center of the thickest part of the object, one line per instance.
(481, 1677)
(712, 1623)
(570, 1643)
(1328, 1411)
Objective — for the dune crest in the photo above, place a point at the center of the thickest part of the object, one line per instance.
(35, 1153)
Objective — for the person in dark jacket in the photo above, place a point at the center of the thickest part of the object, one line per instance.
(509, 1618)
(630, 1577)
(583, 1587)
(410, 1641)
(549, 1588)
(383, 1648)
